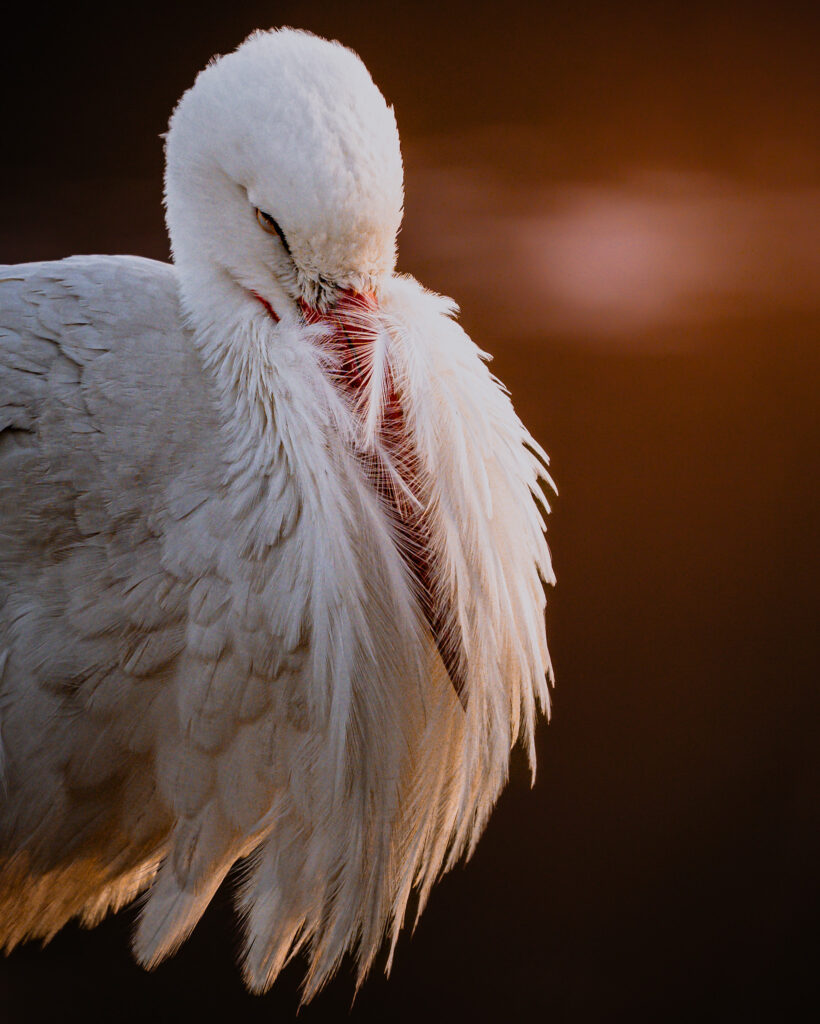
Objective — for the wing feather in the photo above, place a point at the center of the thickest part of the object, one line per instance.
(93, 363)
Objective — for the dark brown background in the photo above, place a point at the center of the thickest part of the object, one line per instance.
(625, 199)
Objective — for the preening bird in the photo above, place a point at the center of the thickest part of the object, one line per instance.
(272, 561)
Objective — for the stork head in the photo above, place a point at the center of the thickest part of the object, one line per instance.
(283, 179)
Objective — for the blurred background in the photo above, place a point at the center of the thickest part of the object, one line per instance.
(624, 198)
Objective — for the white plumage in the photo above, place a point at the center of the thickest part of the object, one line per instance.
(271, 561)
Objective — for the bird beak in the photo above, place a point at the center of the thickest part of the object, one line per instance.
(352, 322)
(354, 331)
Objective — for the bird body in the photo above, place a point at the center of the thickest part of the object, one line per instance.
(271, 558)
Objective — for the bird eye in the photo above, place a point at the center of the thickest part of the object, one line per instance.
(267, 223)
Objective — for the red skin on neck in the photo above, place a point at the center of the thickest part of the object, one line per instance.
(271, 311)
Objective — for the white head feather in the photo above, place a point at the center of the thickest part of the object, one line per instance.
(312, 143)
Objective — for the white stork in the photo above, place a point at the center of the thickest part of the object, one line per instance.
(271, 557)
